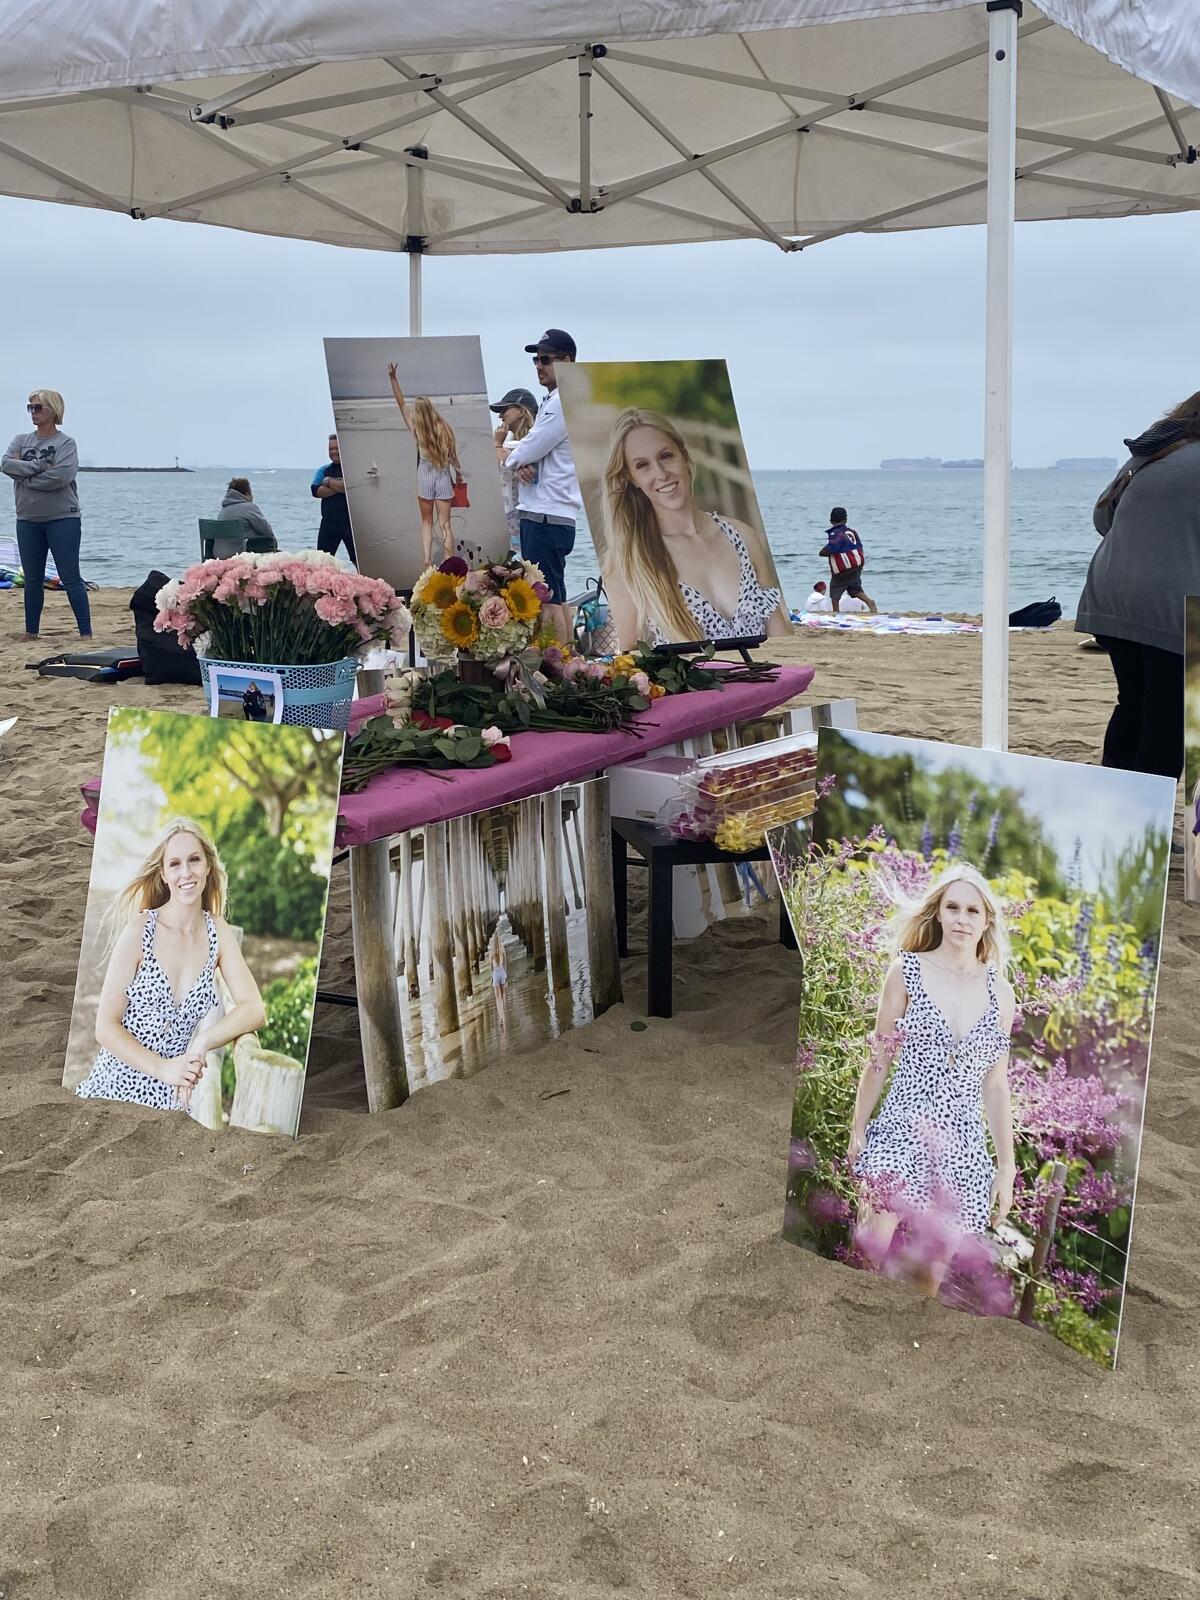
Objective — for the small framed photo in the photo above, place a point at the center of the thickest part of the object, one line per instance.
(248, 694)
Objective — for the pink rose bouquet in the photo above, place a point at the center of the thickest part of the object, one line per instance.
(281, 609)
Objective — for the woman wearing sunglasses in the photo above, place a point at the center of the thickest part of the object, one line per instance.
(42, 465)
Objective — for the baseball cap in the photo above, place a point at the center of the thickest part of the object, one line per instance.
(554, 341)
(516, 397)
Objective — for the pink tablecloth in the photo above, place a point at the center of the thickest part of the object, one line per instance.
(407, 797)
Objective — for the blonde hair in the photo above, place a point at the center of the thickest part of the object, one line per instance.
(637, 549)
(521, 427)
(51, 398)
(918, 928)
(434, 435)
(147, 889)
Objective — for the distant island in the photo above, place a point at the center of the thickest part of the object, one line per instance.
(175, 468)
(936, 464)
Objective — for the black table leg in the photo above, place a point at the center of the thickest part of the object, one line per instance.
(660, 934)
(787, 934)
(621, 892)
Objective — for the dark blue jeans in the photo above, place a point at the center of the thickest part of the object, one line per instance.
(60, 538)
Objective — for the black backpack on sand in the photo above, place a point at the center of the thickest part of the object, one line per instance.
(164, 660)
(94, 666)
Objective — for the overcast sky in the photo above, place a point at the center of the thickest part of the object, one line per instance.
(175, 339)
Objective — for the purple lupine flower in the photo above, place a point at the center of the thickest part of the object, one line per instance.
(954, 839)
(1075, 870)
(972, 807)
(993, 834)
(927, 841)
(1084, 1287)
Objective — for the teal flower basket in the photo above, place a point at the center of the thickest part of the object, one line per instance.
(315, 696)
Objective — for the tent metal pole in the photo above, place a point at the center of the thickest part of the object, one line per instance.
(1003, 16)
(414, 214)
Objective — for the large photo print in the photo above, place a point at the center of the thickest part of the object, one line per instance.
(418, 456)
(670, 501)
(980, 963)
(505, 930)
(205, 915)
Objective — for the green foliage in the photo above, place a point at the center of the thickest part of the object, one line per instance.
(1067, 1320)
(686, 391)
(1134, 881)
(995, 830)
(289, 1005)
(273, 889)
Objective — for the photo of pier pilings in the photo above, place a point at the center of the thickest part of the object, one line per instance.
(504, 930)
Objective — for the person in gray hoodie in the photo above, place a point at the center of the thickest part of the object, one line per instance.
(42, 465)
(1149, 521)
(238, 506)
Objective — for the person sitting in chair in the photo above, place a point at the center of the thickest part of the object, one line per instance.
(238, 506)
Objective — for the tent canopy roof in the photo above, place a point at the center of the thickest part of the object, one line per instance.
(789, 120)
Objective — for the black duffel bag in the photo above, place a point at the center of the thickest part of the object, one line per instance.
(164, 660)
(1041, 614)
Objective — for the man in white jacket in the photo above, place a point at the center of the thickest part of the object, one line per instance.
(549, 500)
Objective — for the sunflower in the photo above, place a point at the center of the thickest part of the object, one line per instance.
(460, 625)
(521, 600)
(438, 589)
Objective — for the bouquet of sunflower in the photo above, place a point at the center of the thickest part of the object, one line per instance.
(483, 613)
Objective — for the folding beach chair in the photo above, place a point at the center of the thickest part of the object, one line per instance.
(221, 539)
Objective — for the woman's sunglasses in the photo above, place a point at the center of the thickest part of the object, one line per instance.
(35, 406)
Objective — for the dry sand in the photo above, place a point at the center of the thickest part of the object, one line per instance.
(508, 1341)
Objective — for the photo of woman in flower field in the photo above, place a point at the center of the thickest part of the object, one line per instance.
(980, 963)
(949, 1077)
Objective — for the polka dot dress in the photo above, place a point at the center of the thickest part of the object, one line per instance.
(157, 1022)
(929, 1134)
(755, 606)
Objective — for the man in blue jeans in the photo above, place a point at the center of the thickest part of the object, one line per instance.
(549, 500)
(42, 465)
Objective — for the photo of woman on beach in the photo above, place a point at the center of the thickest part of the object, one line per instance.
(418, 454)
(197, 973)
(438, 469)
(671, 502)
(980, 964)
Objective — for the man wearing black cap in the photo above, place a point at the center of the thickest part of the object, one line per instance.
(550, 498)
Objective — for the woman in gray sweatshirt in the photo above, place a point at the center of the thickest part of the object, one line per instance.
(42, 465)
(238, 506)
(1149, 558)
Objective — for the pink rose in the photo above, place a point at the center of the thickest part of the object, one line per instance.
(574, 668)
(479, 581)
(491, 736)
(542, 592)
(493, 613)
(638, 681)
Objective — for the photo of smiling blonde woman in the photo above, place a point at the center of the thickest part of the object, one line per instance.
(674, 571)
(942, 1032)
(159, 1014)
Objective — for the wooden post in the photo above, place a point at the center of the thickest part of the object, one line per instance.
(458, 902)
(553, 843)
(531, 851)
(268, 1090)
(478, 893)
(598, 892)
(1045, 1238)
(440, 942)
(410, 952)
(375, 976)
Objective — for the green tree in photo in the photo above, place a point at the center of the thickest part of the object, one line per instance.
(695, 391)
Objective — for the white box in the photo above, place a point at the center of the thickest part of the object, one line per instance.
(640, 789)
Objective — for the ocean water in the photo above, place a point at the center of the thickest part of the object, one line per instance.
(922, 530)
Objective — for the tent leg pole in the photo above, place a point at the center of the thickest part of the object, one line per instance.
(414, 294)
(1003, 17)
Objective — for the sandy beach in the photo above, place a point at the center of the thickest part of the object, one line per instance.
(536, 1333)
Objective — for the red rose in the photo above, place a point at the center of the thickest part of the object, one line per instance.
(501, 752)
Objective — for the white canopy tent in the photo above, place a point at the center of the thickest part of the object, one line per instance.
(440, 131)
